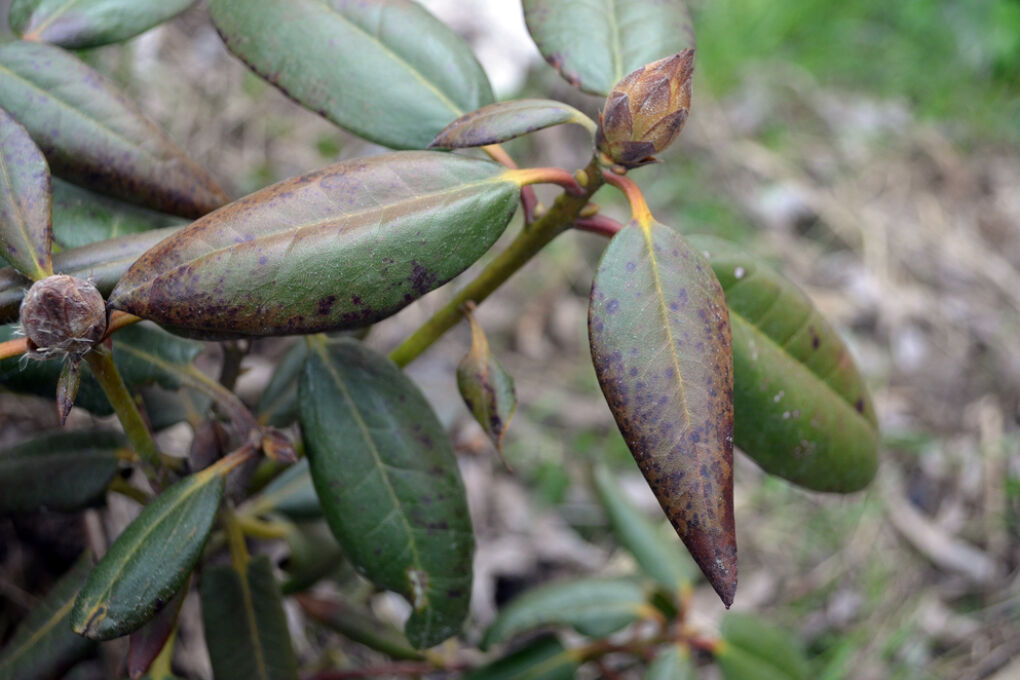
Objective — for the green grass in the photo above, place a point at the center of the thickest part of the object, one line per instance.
(955, 60)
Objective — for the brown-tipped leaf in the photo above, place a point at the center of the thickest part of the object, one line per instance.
(26, 226)
(660, 342)
(92, 135)
(77, 24)
(335, 249)
(486, 387)
(503, 121)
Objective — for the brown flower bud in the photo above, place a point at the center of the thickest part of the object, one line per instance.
(646, 110)
(62, 316)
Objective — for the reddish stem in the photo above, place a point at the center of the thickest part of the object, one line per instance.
(598, 224)
(560, 176)
(638, 207)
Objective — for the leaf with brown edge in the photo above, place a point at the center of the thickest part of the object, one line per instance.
(486, 387)
(26, 222)
(503, 121)
(92, 135)
(339, 248)
(660, 342)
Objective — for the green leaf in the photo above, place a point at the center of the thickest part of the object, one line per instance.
(755, 650)
(672, 663)
(278, 403)
(92, 135)
(660, 559)
(81, 217)
(103, 263)
(43, 645)
(660, 342)
(594, 606)
(389, 484)
(336, 249)
(387, 71)
(544, 658)
(59, 471)
(26, 229)
(503, 121)
(486, 387)
(245, 625)
(77, 24)
(360, 626)
(595, 43)
(802, 409)
(144, 355)
(150, 561)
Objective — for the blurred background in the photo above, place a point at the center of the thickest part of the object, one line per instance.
(871, 151)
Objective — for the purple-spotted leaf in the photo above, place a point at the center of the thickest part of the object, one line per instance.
(102, 263)
(77, 24)
(387, 478)
(92, 135)
(594, 43)
(386, 70)
(26, 224)
(503, 121)
(660, 342)
(339, 248)
(802, 409)
(486, 387)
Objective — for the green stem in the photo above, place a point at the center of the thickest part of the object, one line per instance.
(529, 242)
(100, 360)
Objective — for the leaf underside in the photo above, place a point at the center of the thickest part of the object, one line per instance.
(26, 225)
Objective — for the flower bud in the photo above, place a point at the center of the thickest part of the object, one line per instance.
(646, 110)
(62, 315)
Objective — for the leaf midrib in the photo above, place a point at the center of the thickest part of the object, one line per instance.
(400, 61)
(615, 45)
(660, 297)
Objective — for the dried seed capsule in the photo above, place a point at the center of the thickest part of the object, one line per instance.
(62, 316)
(646, 110)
